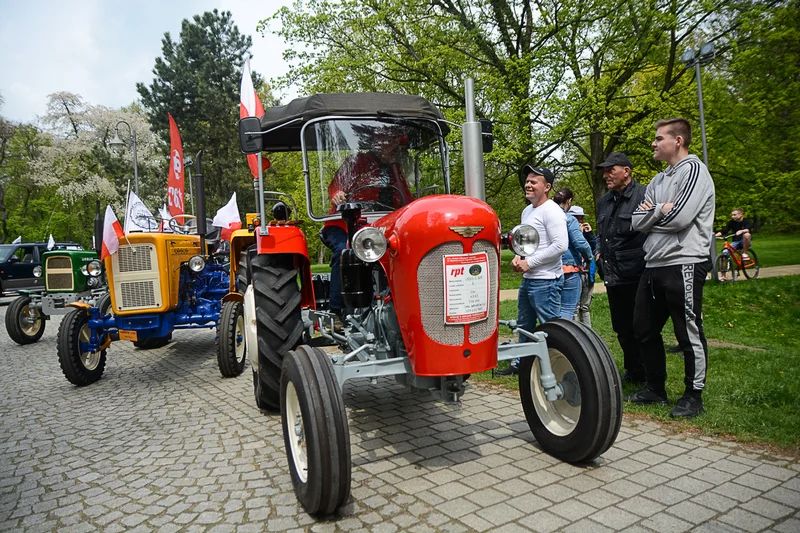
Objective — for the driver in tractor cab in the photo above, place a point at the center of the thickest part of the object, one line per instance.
(373, 178)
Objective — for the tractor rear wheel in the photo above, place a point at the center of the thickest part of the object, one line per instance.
(80, 365)
(25, 324)
(586, 421)
(243, 268)
(315, 431)
(231, 352)
(279, 322)
(153, 343)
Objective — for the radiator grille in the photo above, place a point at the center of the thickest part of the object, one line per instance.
(134, 262)
(58, 274)
(59, 282)
(138, 294)
(59, 262)
(430, 280)
(480, 331)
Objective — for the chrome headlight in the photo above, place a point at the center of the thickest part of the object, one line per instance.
(369, 244)
(85, 269)
(94, 268)
(37, 271)
(523, 240)
(197, 263)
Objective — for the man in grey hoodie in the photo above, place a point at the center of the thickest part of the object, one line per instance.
(677, 215)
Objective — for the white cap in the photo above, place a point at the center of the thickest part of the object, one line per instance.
(576, 211)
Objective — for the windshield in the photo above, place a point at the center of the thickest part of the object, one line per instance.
(5, 252)
(382, 164)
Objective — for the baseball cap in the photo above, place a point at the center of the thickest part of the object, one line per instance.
(577, 211)
(539, 171)
(616, 158)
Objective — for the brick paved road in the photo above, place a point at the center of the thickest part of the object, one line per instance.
(163, 443)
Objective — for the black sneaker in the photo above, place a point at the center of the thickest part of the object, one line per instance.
(510, 371)
(632, 377)
(675, 349)
(688, 407)
(646, 395)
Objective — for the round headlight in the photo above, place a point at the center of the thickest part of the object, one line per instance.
(197, 263)
(369, 244)
(523, 239)
(84, 270)
(37, 271)
(94, 268)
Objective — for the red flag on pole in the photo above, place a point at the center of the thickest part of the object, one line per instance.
(250, 106)
(112, 233)
(175, 177)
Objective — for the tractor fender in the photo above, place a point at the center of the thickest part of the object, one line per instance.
(80, 305)
(233, 297)
(291, 240)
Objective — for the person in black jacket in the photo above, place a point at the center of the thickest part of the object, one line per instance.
(620, 256)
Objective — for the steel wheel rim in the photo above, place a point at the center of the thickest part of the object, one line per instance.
(31, 321)
(296, 433)
(89, 359)
(559, 417)
(239, 339)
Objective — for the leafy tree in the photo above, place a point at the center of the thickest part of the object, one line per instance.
(197, 80)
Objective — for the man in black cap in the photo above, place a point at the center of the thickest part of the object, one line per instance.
(620, 257)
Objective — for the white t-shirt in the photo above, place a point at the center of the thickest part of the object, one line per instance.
(551, 223)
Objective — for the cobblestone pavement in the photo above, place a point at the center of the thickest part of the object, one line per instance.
(163, 443)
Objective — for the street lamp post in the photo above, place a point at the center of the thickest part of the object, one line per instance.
(116, 142)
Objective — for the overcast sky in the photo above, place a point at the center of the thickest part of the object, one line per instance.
(100, 49)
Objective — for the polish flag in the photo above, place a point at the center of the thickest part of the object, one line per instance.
(51, 242)
(250, 106)
(175, 183)
(227, 218)
(112, 233)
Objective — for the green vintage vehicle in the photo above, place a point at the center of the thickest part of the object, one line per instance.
(69, 276)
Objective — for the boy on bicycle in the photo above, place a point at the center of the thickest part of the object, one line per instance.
(740, 228)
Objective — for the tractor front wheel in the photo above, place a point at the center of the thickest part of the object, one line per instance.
(279, 322)
(585, 422)
(80, 364)
(24, 323)
(315, 431)
(231, 351)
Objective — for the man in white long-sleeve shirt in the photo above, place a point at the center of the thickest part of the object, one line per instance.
(539, 297)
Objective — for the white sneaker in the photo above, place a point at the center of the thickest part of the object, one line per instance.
(746, 257)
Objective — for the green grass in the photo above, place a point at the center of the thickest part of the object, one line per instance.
(753, 389)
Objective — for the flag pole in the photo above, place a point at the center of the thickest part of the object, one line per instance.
(127, 199)
(261, 197)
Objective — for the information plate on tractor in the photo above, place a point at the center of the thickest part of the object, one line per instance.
(466, 288)
(128, 335)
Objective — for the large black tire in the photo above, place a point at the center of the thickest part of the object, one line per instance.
(19, 325)
(750, 266)
(153, 343)
(104, 304)
(80, 368)
(278, 321)
(723, 270)
(243, 268)
(231, 349)
(585, 423)
(315, 431)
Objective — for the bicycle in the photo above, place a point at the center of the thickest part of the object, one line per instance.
(731, 260)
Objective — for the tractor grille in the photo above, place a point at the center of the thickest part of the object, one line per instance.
(136, 278)
(135, 258)
(58, 274)
(430, 279)
(138, 294)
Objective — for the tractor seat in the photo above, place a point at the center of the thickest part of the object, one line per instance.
(212, 238)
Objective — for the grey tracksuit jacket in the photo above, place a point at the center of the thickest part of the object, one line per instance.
(683, 235)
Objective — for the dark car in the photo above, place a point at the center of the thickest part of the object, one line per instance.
(17, 262)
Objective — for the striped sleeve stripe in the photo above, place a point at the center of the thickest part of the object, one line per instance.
(680, 202)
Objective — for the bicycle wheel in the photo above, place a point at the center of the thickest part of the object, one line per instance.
(750, 265)
(723, 270)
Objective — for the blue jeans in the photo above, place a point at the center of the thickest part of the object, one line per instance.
(335, 238)
(570, 295)
(539, 300)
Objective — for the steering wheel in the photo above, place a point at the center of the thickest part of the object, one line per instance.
(187, 227)
(376, 202)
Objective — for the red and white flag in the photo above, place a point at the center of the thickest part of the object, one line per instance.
(250, 106)
(175, 178)
(228, 219)
(112, 233)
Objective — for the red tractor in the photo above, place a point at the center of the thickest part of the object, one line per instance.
(420, 282)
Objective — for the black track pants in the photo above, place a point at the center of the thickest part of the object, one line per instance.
(621, 301)
(676, 292)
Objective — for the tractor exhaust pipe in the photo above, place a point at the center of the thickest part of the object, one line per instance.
(200, 201)
(98, 229)
(471, 136)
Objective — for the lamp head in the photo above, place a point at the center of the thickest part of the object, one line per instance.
(707, 51)
(116, 143)
(688, 56)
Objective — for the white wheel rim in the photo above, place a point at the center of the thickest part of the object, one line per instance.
(559, 417)
(239, 338)
(90, 360)
(297, 433)
(250, 327)
(30, 321)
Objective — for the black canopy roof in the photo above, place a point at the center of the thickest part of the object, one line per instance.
(287, 138)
